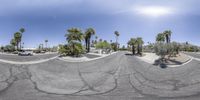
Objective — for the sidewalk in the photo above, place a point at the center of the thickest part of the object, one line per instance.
(179, 60)
(149, 57)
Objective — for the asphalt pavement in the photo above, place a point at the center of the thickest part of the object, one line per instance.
(115, 77)
(26, 58)
(90, 55)
(193, 54)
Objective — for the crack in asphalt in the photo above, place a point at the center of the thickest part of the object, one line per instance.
(175, 83)
(21, 72)
(87, 87)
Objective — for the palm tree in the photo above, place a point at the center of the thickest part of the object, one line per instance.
(13, 42)
(89, 32)
(73, 36)
(100, 40)
(41, 47)
(140, 42)
(160, 37)
(132, 42)
(96, 39)
(167, 34)
(23, 45)
(46, 41)
(117, 35)
(17, 38)
(22, 30)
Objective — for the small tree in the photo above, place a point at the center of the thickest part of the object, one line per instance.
(139, 42)
(74, 38)
(88, 34)
(114, 46)
(117, 35)
(103, 45)
(173, 48)
(17, 38)
(160, 49)
(21, 30)
(2, 48)
(64, 50)
(9, 48)
(13, 42)
(160, 37)
(132, 42)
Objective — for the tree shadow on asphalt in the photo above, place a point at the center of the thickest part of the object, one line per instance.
(163, 64)
(156, 63)
(176, 62)
(160, 63)
(128, 54)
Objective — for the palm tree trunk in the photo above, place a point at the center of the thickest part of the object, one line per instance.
(46, 45)
(138, 49)
(133, 50)
(117, 42)
(17, 45)
(167, 39)
(88, 45)
(20, 46)
(73, 47)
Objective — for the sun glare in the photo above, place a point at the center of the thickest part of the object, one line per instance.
(153, 11)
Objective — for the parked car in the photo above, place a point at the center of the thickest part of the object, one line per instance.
(43, 52)
(15, 52)
(26, 53)
(36, 51)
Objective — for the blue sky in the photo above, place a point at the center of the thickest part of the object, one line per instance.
(132, 18)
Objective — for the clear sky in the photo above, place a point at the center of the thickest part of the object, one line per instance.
(49, 19)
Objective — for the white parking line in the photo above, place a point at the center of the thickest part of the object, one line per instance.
(27, 62)
(196, 59)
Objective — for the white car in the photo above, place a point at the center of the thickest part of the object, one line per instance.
(26, 53)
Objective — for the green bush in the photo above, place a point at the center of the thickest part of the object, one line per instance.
(160, 49)
(64, 50)
(72, 49)
(9, 48)
(114, 46)
(171, 49)
(78, 49)
(103, 45)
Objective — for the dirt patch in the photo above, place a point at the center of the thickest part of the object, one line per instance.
(176, 60)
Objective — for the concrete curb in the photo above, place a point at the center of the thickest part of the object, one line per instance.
(188, 61)
(89, 59)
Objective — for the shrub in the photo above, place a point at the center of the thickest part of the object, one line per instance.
(78, 49)
(64, 50)
(114, 46)
(103, 45)
(74, 49)
(161, 49)
(9, 48)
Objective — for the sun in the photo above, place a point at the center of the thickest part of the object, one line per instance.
(154, 11)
